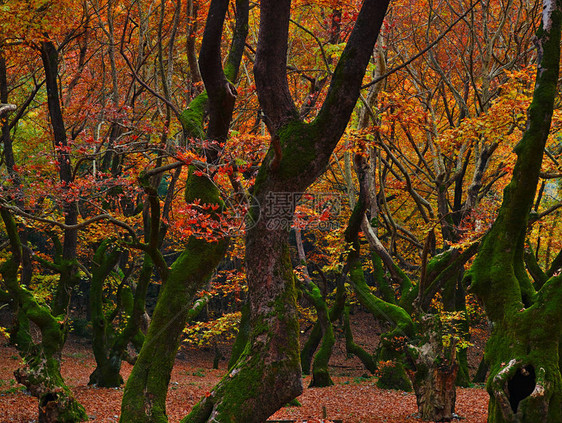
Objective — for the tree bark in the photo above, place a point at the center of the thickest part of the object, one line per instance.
(107, 369)
(144, 399)
(320, 374)
(524, 383)
(41, 374)
(267, 376)
(433, 372)
(352, 348)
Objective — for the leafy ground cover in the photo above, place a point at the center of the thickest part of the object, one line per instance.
(354, 397)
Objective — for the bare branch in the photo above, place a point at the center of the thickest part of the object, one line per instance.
(421, 53)
(81, 225)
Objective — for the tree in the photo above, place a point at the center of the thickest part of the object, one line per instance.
(61, 184)
(41, 374)
(298, 154)
(144, 399)
(525, 381)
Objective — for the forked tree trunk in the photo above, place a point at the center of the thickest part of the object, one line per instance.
(390, 355)
(138, 320)
(268, 374)
(106, 373)
(311, 344)
(525, 384)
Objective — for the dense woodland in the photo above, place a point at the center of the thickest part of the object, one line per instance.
(249, 174)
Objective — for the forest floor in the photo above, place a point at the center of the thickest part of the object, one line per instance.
(354, 398)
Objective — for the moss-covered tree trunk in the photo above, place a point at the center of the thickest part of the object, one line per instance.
(352, 348)
(523, 351)
(267, 376)
(334, 313)
(110, 343)
(144, 399)
(242, 337)
(41, 374)
(419, 348)
(320, 374)
(390, 355)
(107, 370)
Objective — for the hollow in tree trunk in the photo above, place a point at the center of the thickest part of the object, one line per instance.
(524, 384)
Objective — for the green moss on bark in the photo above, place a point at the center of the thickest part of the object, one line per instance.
(320, 374)
(41, 373)
(150, 377)
(525, 381)
(352, 348)
(191, 118)
(242, 337)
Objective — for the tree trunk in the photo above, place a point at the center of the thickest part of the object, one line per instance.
(41, 374)
(43, 379)
(481, 372)
(320, 373)
(107, 370)
(309, 348)
(352, 348)
(268, 374)
(242, 337)
(433, 372)
(525, 383)
(110, 345)
(152, 371)
(390, 355)
(335, 312)
(144, 399)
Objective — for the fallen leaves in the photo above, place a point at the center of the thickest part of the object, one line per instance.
(351, 399)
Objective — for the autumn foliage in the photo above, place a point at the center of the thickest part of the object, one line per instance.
(123, 177)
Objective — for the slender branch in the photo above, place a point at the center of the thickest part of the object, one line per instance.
(425, 50)
(77, 226)
(171, 105)
(309, 32)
